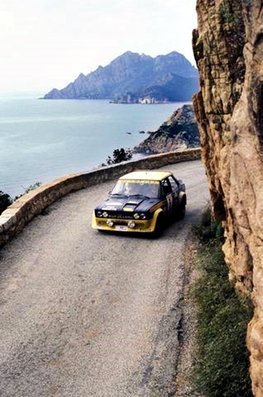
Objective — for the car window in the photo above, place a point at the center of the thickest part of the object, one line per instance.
(132, 188)
(166, 187)
(174, 184)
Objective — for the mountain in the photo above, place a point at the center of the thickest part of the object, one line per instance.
(132, 76)
(179, 131)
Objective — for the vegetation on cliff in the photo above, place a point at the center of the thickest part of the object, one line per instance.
(222, 364)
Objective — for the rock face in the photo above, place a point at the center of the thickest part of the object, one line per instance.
(180, 131)
(228, 47)
(167, 77)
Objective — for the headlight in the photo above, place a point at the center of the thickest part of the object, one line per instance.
(143, 216)
(136, 216)
(105, 214)
(131, 224)
(99, 213)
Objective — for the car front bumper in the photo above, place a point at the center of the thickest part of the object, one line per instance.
(121, 225)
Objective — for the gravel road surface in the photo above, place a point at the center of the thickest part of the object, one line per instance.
(87, 314)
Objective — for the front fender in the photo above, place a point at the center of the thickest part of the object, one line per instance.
(155, 216)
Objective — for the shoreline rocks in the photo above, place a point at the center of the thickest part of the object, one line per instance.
(180, 131)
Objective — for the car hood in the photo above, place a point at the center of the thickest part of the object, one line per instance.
(127, 204)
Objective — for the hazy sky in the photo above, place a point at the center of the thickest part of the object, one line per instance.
(47, 43)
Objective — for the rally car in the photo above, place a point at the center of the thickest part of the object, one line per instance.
(141, 201)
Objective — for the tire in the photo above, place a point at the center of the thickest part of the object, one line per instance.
(158, 227)
(181, 211)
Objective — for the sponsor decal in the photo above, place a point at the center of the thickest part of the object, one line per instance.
(140, 182)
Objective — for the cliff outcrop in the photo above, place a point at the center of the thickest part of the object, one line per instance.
(180, 131)
(228, 47)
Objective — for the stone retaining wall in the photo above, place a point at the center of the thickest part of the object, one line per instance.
(15, 217)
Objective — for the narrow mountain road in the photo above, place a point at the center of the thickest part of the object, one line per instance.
(87, 314)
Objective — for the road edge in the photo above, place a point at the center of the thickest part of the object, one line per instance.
(188, 330)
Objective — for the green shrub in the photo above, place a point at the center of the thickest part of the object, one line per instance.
(208, 228)
(5, 201)
(226, 12)
(29, 189)
(119, 155)
(222, 364)
(32, 187)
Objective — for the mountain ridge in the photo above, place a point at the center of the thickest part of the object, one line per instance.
(138, 75)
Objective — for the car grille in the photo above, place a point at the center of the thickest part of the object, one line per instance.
(120, 215)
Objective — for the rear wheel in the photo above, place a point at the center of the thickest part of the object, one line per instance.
(181, 211)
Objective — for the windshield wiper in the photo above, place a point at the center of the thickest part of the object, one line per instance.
(139, 195)
(118, 194)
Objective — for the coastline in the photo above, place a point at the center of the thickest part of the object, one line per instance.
(42, 140)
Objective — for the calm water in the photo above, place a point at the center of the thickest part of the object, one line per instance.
(41, 140)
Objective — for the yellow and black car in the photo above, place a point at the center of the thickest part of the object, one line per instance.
(141, 201)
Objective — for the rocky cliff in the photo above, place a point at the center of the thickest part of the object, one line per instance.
(228, 47)
(180, 131)
(166, 77)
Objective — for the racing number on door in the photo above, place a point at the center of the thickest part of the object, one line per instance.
(169, 199)
(167, 191)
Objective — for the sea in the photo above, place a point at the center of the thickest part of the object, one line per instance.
(41, 140)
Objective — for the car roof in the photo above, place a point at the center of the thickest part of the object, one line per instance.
(147, 175)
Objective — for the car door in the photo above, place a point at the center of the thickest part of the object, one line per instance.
(168, 195)
(175, 191)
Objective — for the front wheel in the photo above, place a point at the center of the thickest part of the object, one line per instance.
(158, 227)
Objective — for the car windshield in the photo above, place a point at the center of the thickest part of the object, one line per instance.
(136, 188)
